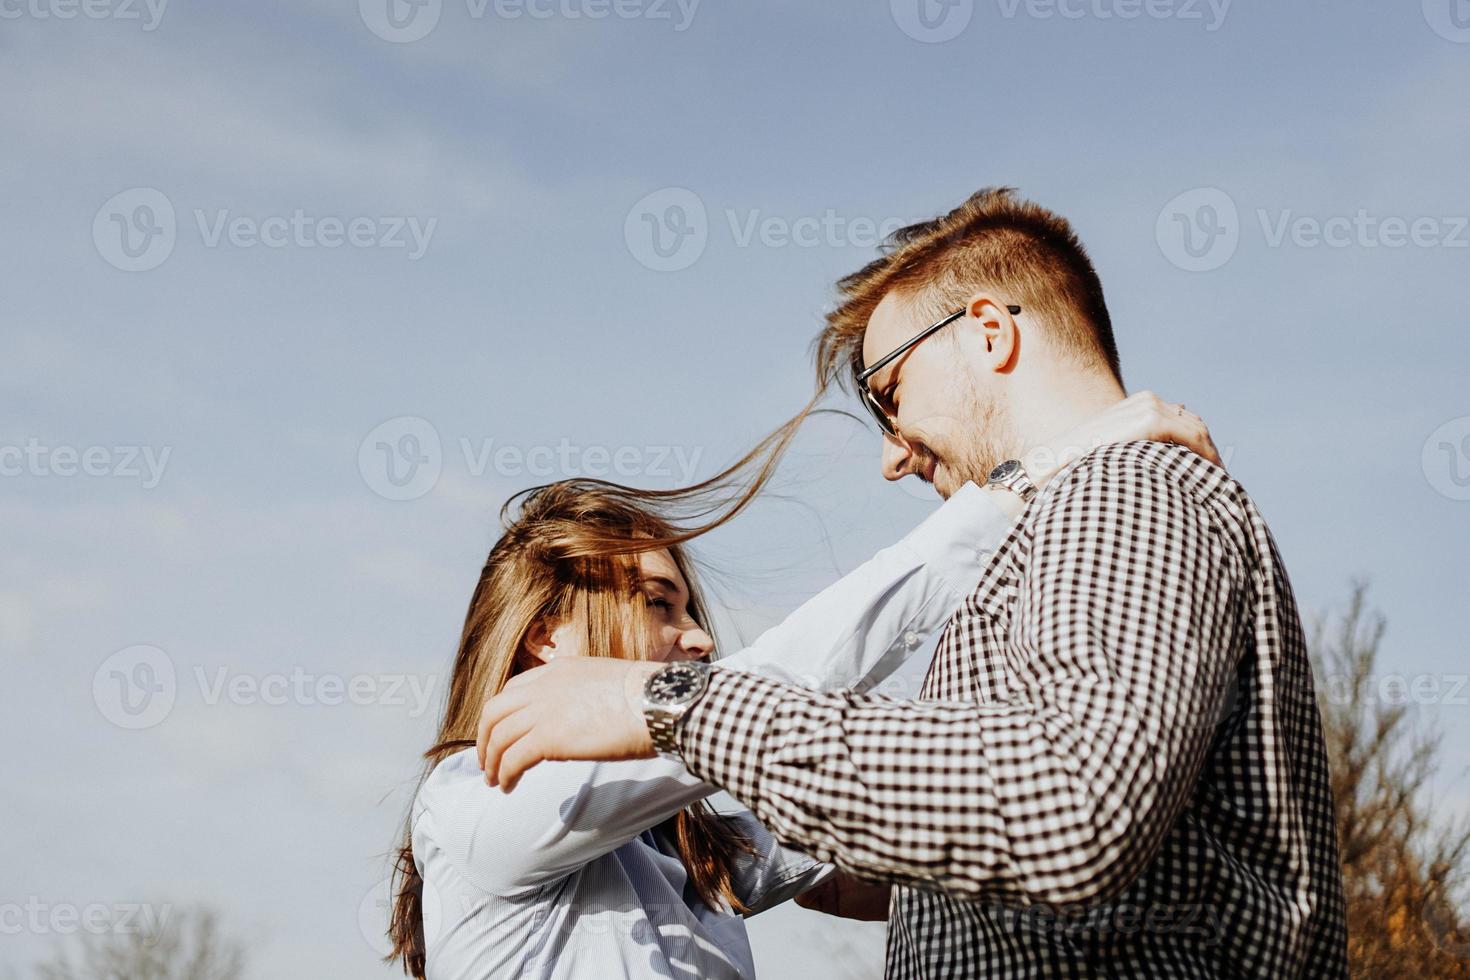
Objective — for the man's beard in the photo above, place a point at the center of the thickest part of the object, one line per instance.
(983, 439)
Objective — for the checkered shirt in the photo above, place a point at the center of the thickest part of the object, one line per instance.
(1116, 765)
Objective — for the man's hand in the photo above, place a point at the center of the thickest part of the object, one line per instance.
(573, 708)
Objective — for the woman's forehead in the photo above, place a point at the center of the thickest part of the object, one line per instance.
(660, 564)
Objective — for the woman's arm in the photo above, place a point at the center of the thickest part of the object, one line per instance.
(859, 630)
(856, 630)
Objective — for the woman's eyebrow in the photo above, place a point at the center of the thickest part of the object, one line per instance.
(661, 580)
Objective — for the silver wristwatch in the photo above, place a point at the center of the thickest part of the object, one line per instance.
(1012, 476)
(668, 694)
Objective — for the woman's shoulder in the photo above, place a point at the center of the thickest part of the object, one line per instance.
(453, 781)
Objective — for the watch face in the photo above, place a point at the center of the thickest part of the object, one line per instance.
(1004, 470)
(674, 684)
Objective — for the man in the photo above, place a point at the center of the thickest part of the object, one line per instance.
(1116, 767)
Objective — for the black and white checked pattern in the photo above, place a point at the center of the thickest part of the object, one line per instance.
(1116, 768)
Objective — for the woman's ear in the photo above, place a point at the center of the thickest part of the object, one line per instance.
(541, 641)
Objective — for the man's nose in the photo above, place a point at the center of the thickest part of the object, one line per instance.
(896, 457)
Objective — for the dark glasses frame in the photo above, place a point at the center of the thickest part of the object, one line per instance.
(860, 375)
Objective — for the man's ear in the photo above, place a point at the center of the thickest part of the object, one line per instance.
(999, 334)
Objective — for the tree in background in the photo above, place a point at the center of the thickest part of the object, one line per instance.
(191, 946)
(1403, 865)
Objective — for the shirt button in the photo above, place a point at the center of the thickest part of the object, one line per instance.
(911, 639)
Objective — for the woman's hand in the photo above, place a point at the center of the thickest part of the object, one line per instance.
(1139, 417)
(1142, 416)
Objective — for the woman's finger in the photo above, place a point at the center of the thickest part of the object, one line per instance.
(521, 755)
(502, 739)
(504, 703)
(1170, 422)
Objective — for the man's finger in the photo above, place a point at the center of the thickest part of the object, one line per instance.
(495, 709)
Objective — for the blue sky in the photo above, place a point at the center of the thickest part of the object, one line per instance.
(379, 246)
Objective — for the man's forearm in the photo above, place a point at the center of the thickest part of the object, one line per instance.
(1062, 791)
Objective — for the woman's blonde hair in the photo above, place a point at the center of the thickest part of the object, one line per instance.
(569, 556)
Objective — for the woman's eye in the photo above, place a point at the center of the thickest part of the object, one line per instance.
(663, 604)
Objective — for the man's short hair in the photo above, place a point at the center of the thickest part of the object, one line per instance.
(994, 240)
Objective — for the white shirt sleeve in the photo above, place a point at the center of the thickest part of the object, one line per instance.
(852, 634)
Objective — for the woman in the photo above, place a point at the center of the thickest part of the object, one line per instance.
(621, 869)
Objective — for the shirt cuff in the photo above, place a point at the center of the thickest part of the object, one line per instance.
(963, 533)
(720, 737)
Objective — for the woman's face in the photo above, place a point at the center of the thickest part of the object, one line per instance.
(673, 633)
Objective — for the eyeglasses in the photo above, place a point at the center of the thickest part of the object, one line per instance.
(860, 375)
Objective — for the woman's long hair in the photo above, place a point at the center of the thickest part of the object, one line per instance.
(568, 555)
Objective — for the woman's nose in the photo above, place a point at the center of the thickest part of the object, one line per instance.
(693, 644)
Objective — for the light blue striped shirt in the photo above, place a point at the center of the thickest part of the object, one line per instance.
(569, 877)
